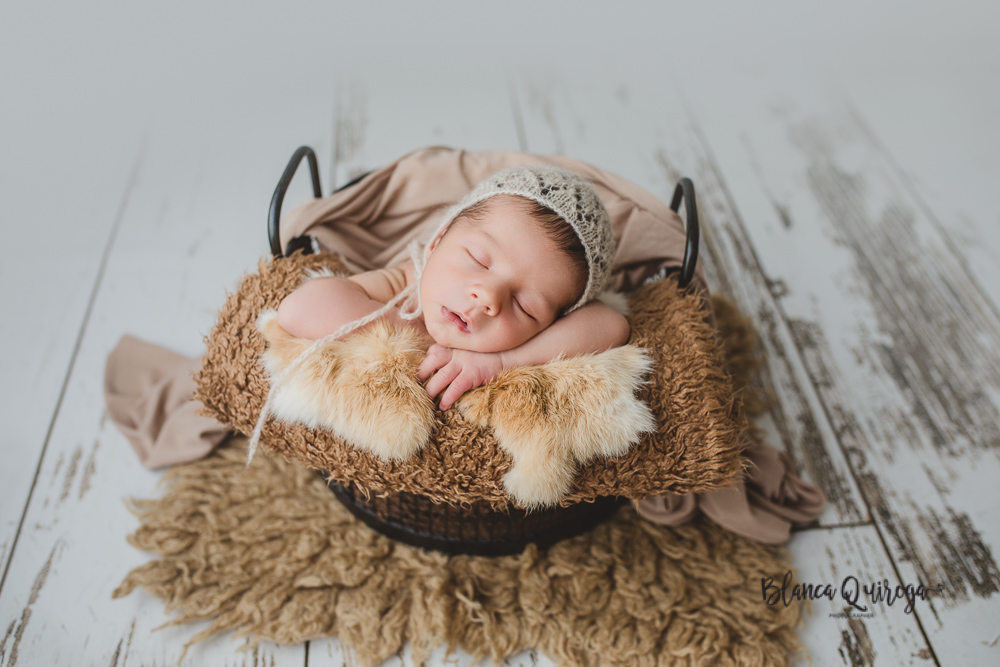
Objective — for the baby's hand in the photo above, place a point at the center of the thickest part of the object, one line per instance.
(459, 370)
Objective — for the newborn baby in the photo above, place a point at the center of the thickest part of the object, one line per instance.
(509, 279)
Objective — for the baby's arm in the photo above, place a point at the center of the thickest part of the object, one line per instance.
(591, 328)
(320, 306)
(594, 327)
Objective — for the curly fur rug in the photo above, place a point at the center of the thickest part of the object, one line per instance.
(272, 554)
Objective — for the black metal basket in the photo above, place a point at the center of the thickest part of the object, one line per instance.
(476, 529)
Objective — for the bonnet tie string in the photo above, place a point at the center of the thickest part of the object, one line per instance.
(410, 308)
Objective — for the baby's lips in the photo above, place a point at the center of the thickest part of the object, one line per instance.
(455, 319)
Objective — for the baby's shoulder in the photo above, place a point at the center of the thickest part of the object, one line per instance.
(383, 284)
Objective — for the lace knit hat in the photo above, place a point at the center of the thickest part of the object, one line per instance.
(570, 197)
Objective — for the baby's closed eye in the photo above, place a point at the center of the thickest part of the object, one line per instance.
(519, 304)
(474, 258)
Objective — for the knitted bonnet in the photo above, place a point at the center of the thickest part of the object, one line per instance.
(570, 197)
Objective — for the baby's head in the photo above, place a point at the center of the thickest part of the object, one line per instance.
(525, 246)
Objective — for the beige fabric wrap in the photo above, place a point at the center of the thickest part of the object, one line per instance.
(147, 390)
(371, 223)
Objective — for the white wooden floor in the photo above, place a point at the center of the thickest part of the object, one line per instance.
(846, 161)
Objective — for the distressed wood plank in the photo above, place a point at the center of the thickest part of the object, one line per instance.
(939, 127)
(847, 625)
(195, 223)
(382, 115)
(900, 343)
(332, 654)
(654, 147)
(55, 233)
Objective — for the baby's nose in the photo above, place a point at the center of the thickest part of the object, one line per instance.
(489, 297)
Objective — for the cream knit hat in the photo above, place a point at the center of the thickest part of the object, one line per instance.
(570, 197)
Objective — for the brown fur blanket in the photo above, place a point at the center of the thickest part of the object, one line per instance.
(694, 446)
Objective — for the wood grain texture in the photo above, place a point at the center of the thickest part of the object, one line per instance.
(328, 653)
(183, 242)
(836, 631)
(898, 341)
(47, 310)
(382, 115)
(937, 128)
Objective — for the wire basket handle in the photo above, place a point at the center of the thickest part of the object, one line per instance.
(685, 191)
(274, 213)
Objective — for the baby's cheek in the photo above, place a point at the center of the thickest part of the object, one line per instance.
(514, 334)
(443, 334)
(437, 335)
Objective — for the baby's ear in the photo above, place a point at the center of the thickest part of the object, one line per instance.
(440, 235)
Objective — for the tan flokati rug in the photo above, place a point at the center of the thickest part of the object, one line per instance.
(271, 554)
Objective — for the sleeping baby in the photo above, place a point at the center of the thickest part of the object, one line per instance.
(509, 279)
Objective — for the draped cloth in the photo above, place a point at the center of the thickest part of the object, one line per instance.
(148, 392)
(148, 389)
(762, 506)
(371, 224)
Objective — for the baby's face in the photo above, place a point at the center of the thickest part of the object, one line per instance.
(492, 284)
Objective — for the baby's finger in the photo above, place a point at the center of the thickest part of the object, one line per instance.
(434, 360)
(455, 390)
(427, 367)
(441, 379)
